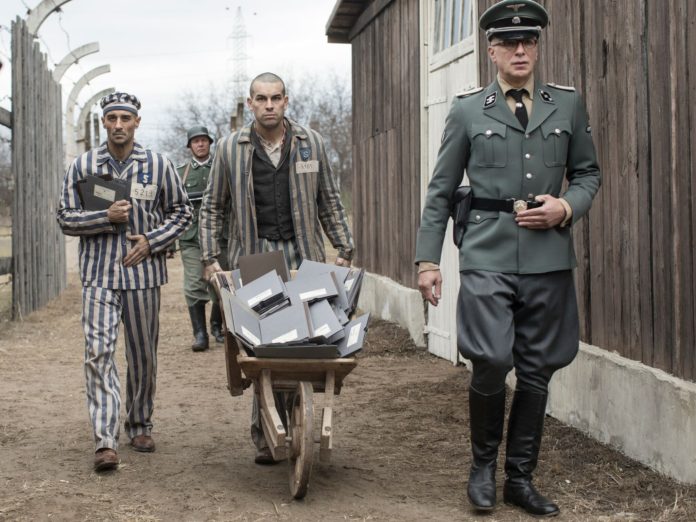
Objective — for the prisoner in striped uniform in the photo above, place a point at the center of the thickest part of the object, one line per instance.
(277, 178)
(122, 256)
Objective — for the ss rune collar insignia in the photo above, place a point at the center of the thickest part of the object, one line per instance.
(490, 100)
(545, 96)
(305, 153)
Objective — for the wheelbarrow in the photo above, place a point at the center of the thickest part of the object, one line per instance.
(302, 377)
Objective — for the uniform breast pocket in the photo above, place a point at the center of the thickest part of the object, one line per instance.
(489, 148)
(556, 135)
(478, 217)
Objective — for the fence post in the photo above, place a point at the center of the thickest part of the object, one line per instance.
(73, 57)
(38, 248)
(83, 120)
(37, 15)
(70, 138)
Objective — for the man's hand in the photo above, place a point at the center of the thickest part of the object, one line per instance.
(550, 214)
(342, 262)
(430, 286)
(118, 211)
(211, 269)
(138, 252)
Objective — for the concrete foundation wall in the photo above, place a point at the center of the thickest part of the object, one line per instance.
(645, 413)
(391, 301)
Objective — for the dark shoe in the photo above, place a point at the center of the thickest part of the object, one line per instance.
(486, 417)
(216, 323)
(265, 457)
(523, 494)
(143, 443)
(105, 459)
(525, 428)
(200, 334)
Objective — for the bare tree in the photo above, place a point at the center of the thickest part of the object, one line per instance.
(323, 103)
(213, 109)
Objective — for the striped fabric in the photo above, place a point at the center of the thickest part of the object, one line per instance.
(102, 311)
(289, 248)
(102, 244)
(314, 197)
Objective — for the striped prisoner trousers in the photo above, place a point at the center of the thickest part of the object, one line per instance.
(294, 260)
(102, 311)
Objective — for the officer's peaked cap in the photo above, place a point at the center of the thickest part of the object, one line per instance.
(514, 20)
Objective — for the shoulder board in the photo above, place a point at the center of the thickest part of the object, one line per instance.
(469, 92)
(561, 87)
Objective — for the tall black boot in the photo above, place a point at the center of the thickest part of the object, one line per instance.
(200, 333)
(486, 416)
(525, 427)
(216, 323)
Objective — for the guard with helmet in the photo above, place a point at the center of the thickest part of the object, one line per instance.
(194, 176)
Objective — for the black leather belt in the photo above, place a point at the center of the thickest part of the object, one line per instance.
(504, 205)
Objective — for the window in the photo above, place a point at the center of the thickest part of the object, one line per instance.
(453, 23)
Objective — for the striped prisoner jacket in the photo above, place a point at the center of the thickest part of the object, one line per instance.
(314, 198)
(103, 244)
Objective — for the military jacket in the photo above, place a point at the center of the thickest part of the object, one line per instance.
(196, 182)
(484, 139)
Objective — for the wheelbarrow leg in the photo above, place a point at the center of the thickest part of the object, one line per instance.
(302, 439)
(326, 443)
(270, 419)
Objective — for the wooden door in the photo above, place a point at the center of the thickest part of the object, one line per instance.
(450, 48)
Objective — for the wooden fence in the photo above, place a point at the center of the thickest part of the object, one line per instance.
(386, 139)
(633, 62)
(38, 249)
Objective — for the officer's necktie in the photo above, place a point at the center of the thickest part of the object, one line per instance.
(520, 109)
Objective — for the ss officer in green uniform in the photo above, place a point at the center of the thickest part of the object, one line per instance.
(516, 139)
(194, 175)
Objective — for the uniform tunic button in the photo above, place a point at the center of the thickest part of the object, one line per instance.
(478, 218)
(557, 131)
(526, 136)
(529, 175)
(489, 132)
(528, 155)
(530, 196)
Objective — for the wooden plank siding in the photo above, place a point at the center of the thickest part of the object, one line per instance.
(632, 61)
(38, 248)
(386, 141)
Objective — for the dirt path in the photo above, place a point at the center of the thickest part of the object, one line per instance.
(400, 449)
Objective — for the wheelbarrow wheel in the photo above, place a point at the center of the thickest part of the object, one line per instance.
(302, 444)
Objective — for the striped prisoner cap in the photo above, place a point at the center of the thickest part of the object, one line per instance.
(120, 101)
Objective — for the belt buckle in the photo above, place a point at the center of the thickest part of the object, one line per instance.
(519, 205)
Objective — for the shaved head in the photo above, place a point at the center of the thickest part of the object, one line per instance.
(267, 77)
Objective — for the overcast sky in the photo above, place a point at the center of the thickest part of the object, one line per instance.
(158, 49)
